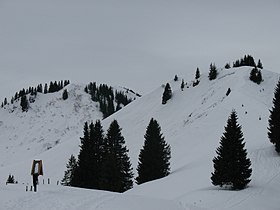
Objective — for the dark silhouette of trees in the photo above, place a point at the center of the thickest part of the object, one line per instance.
(109, 101)
(231, 166)
(247, 60)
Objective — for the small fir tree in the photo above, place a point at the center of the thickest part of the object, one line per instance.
(24, 103)
(197, 73)
(213, 72)
(69, 173)
(227, 66)
(167, 94)
(65, 94)
(259, 65)
(154, 157)
(182, 85)
(231, 166)
(176, 78)
(273, 121)
(11, 179)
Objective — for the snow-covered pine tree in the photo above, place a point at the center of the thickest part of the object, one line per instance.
(273, 121)
(68, 174)
(154, 157)
(231, 166)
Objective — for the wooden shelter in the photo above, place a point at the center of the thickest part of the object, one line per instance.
(37, 167)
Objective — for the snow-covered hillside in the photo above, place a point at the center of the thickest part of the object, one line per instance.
(192, 123)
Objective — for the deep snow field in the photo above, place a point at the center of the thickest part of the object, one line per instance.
(192, 122)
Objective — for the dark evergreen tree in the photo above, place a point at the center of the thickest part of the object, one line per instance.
(82, 176)
(154, 157)
(256, 75)
(167, 94)
(65, 94)
(213, 72)
(259, 65)
(176, 78)
(231, 166)
(69, 173)
(97, 153)
(197, 73)
(227, 66)
(11, 179)
(117, 173)
(182, 85)
(24, 103)
(46, 88)
(273, 121)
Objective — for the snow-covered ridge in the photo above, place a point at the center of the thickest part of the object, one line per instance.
(192, 123)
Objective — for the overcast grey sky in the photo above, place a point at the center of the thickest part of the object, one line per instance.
(137, 44)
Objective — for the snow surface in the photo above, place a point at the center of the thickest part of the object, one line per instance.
(192, 123)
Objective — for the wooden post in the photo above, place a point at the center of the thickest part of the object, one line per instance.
(49, 181)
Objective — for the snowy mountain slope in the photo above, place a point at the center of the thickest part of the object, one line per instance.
(192, 123)
(50, 122)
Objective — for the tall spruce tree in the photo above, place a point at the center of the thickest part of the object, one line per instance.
(213, 72)
(96, 135)
(116, 170)
(167, 94)
(154, 157)
(273, 121)
(231, 166)
(69, 173)
(81, 177)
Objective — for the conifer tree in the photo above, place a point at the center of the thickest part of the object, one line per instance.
(65, 94)
(116, 172)
(256, 75)
(231, 166)
(24, 103)
(154, 157)
(167, 94)
(69, 173)
(213, 72)
(197, 73)
(227, 66)
(259, 65)
(273, 121)
(11, 179)
(176, 78)
(182, 85)
(81, 174)
(97, 153)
